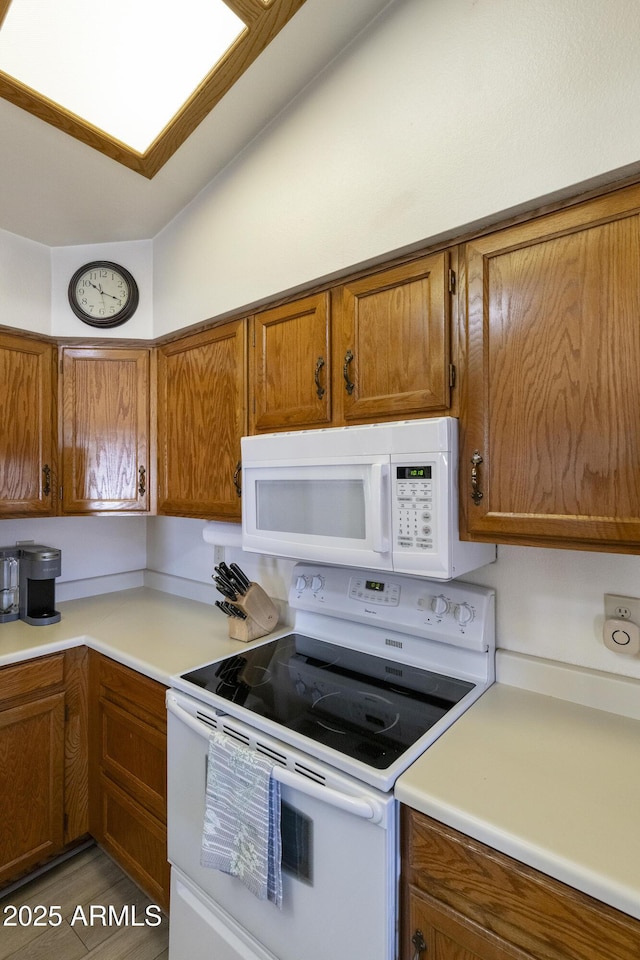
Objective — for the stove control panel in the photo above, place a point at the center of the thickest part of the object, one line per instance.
(374, 591)
(455, 613)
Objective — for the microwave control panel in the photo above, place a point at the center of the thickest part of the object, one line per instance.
(414, 507)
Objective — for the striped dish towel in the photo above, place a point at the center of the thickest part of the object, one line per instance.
(241, 832)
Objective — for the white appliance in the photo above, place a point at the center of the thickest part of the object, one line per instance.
(376, 668)
(382, 496)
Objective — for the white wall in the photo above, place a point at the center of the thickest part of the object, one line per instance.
(442, 114)
(99, 554)
(136, 257)
(549, 603)
(25, 284)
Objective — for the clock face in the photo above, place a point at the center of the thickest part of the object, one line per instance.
(103, 294)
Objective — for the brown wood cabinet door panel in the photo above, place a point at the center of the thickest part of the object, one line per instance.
(105, 404)
(291, 366)
(201, 418)
(136, 839)
(27, 438)
(450, 936)
(31, 783)
(554, 353)
(394, 344)
(135, 755)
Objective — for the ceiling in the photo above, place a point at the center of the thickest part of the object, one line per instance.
(58, 191)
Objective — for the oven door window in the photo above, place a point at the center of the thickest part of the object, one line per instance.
(297, 843)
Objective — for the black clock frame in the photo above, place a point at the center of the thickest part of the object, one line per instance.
(118, 319)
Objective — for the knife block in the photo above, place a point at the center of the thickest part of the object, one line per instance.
(262, 615)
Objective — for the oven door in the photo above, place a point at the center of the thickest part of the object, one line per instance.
(340, 858)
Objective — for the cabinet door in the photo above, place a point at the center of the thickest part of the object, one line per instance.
(393, 356)
(552, 385)
(31, 783)
(290, 366)
(27, 413)
(435, 932)
(201, 418)
(105, 428)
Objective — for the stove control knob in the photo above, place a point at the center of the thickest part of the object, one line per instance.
(317, 583)
(464, 614)
(439, 605)
(301, 584)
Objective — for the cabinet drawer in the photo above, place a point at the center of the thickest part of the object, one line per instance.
(520, 905)
(135, 693)
(135, 755)
(31, 677)
(136, 839)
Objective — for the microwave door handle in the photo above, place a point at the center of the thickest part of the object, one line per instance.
(358, 806)
(379, 500)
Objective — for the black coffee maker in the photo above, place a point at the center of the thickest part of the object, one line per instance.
(39, 566)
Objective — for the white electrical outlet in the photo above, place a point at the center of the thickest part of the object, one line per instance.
(621, 631)
(218, 555)
(621, 608)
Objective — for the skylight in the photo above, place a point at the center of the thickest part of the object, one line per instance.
(132, 78)
(125, 66)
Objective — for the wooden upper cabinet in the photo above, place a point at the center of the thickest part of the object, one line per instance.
(105, 430)
(27, 437)
(290, 374)
(553, 321)
(393, 348)
(201, 418)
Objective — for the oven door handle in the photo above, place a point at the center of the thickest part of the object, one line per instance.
(357, 806)
(366, 808)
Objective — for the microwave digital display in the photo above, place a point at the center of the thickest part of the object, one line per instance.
(413, 473)
(374, 585)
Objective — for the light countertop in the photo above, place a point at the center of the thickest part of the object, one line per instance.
(155, 633)
(553, 784)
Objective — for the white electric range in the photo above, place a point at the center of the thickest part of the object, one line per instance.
(374, 669)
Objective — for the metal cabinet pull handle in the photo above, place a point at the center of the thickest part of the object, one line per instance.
(350, 387)
(142, 481)
(418, 942)
(319, 387)
(236, 478)
(46, 472)
(476, 492)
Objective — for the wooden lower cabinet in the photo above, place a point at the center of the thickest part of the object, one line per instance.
(128, 772)
(462, 900)
(43, 760)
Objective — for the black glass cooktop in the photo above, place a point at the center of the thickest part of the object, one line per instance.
(366, 707)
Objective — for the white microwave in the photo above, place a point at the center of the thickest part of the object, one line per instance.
(382, 496)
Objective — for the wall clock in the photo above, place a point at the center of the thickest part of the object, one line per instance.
(103, 294)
